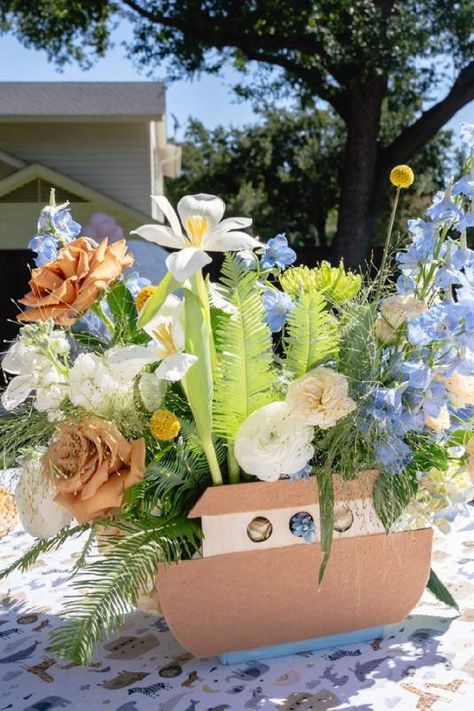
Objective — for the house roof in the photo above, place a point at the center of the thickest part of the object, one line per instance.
(281, 494)
(81, 100)
(53, 177)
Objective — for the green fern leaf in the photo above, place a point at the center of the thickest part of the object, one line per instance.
(244, 379)
(311, 334)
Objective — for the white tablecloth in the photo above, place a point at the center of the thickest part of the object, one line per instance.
(426, 663)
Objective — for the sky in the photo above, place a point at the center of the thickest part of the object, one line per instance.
(207, 98)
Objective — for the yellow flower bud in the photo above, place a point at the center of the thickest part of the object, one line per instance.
(164, 425)
(402, 176)
(143, 296)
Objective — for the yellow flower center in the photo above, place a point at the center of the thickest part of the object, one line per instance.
(143, 296)
(164, 335)
(402, 176)
(164, 425)
(197, 227)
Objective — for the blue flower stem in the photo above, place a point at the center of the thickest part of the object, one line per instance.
(386, 249)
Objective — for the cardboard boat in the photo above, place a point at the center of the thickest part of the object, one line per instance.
(257, 596)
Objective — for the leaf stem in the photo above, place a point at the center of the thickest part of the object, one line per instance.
(234, 469)
(386, 249)
(97, 309)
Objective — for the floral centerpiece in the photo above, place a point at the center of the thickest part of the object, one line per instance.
(125, 400)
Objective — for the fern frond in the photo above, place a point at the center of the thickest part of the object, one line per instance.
(311, 334)
(245, 379)
(108, 587)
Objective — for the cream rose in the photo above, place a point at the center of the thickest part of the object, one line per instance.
(271, 443)
(439, 423)
(320, 398)
(393, 313)
(460, 389)
(470, 458)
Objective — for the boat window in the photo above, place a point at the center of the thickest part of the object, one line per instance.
(259, 529)
(343, 518)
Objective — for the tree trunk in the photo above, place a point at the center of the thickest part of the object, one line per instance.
(356, 208)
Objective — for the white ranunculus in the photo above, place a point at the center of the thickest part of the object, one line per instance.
(271, 443)
(204, 231)
(394, 311)
(93, 386)
(460, 390)
(441, 422)
(320, 397)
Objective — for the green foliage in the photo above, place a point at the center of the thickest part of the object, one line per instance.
(108, 587)
(440, 591)
(392, 494)
(245, 377)
(29, 428)
(43, 545)
(166, 286)
(311, 334)
(334, 283)
(326, 515)
(124, 314)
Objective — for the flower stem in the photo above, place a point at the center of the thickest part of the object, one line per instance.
(200, 289)
(97, 309)
(386, 249)
(234, 469)
(214, 468)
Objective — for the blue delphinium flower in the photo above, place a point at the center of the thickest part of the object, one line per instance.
(442, 208)
(277, 253)
(277, 305)
(421, 247)
(417, 373)
(467, 135)
(393, 454)
(302, 526)
(464, 186)
(442, 322)
(93, 324)
(247, 260)
(55, 228)
(134, 282)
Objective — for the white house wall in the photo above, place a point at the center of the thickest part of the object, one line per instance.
(113, 158)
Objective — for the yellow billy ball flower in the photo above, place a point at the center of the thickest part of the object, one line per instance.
(164, 425)
(402, 176)
(143, 296)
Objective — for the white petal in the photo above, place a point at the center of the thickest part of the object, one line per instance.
(177, 329)
(17, 391)
(187, 262)
(235, 223)
(125, 363)
(165, 314)
(221, 241)
(159, 234)
(175, 367)
(13, 360)
(169, 212)
(204, 205)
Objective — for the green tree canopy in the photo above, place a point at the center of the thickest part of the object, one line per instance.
(364, 58)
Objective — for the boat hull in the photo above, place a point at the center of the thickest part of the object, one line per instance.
(245, 600)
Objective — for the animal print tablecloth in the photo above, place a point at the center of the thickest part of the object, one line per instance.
(427, 662)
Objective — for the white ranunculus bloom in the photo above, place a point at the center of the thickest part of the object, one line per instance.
(394, 311)
(93, 386)
(320, 397)
(204, 231)
(460, 390)
(439, 423)
(271, 443)
(167, 331)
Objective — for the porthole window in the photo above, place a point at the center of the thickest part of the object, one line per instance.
(259, 529)
(302, 526)
(343, 518)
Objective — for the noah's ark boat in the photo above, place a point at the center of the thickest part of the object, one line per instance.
(255, 591)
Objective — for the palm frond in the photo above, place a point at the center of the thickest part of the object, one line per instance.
(311, 334)
(28, 428)
(108, 587)
(245, 379)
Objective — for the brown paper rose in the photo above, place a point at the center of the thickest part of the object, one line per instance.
(64, 288)
(91, 465)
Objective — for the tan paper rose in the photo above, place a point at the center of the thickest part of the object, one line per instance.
(64, 288)
(91, 465)
(320, 398)
(393, 313)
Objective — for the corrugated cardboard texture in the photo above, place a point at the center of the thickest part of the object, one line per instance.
(281, 494)
(254, 599)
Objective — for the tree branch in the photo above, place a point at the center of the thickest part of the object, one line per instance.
(430, 122)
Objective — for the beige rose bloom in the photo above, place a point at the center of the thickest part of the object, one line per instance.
(460, 389)
(393, 313)
(439, 423)
(64, 288)
(320, 397)
(91, 465)
(470, 458)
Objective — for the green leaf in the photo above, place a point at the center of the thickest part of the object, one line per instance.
(311, 334)
(326, 516)
(245, 376)
(391, 495)
(166, 286)
(124, 313)
(440, 591)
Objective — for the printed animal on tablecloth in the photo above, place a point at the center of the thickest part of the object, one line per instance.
(363, 669)
(41, 669)
(131, 647)
(49, 702)
(192, 679)
(323, 700)
(152, 690)
(129, 706)
(172, 703)
(333, 677)
(123, 679)
(250, 673)
(221, 707)
(258, 697)
(192, 705)
(21, 655)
